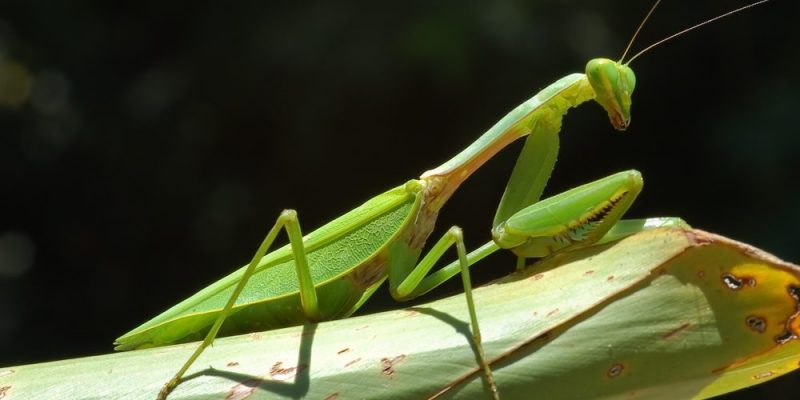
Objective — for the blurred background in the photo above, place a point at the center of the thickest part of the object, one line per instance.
(146, 148)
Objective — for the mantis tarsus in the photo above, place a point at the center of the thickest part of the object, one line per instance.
(333, 270)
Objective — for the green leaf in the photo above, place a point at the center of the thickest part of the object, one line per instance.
(666, 314)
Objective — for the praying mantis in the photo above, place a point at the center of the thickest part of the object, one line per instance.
(330, 272)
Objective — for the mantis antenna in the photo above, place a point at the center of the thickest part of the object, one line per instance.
(653, 8)
(691, 28)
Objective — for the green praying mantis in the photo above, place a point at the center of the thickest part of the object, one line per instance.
(332, 271)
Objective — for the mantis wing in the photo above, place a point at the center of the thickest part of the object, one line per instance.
(339, 254)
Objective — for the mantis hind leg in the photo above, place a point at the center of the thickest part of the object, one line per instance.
(308, 295)
(416, 283)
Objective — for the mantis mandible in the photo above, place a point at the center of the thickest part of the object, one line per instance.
(330, 272)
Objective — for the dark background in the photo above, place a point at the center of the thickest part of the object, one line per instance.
(146, 148)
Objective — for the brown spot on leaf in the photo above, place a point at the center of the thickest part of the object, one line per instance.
(789, 333)
(278, 373)
(701, 274)
(344, 350)
(243, 390)
(361, 328)
(589, 272)
(4, 391)
(699, 239)
(387, 365)
(615, 370)
(554, 312)
(232, 364)
(756, 323)
(734, 282)
(763, 375)
(332, 396)
(610, 278)
(785, 337)
(794, 291)
(671, 334)
(537, 276)
(353, 361)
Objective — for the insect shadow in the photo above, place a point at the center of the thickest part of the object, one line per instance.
(273, 379)
(462, 327)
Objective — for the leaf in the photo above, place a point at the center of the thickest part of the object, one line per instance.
(661, 314)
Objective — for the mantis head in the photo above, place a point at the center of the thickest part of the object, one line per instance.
(613, 85)
(613, 81)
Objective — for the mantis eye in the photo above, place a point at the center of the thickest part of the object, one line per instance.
(613, 85)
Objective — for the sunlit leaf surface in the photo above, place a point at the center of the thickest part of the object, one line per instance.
(663, 314)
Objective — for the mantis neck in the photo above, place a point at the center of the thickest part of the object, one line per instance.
(545, 109)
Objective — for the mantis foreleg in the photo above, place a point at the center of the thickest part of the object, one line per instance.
(581, 217)
(531, 172)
